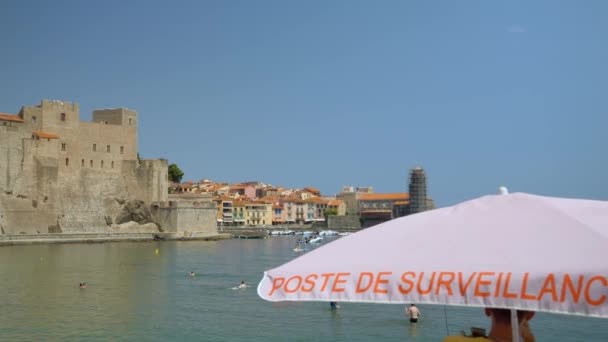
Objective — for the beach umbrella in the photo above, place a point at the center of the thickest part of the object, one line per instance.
(517, 251)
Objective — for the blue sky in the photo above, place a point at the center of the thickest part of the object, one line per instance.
(332, 93)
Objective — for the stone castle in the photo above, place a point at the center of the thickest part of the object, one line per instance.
(62, 175)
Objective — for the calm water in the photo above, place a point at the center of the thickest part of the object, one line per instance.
(135, 294)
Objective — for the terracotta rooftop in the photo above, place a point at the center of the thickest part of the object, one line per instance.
(10, 117)
(45, 135)
(399, 196)
(312, 190)
(335, 202)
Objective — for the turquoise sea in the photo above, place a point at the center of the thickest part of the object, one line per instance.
(135, 294)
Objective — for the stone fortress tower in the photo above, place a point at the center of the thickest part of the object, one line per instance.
(59, 174)
(417, 190)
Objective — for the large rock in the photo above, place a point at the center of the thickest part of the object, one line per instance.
(134, 227)
(134, 210)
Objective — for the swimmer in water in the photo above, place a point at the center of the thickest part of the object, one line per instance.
(243, 285)
(192, 274)
(83, 285)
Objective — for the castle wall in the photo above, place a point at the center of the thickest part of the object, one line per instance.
(11, 153)
(184, 214)
(20, 216)
(147, 179)
(348, 222)
(104, 135)
(83, 181)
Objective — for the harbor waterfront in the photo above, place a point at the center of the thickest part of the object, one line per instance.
(142, 291)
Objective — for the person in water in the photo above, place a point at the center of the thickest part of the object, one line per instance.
(192, 274)
(243, 285)
(500, 329)
(83, 285)
(334, 305)
(413, 313)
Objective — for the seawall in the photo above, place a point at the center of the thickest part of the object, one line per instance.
(25, 239)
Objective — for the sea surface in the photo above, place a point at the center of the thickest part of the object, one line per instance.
(135, 293)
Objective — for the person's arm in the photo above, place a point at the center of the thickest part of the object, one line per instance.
(526, 332)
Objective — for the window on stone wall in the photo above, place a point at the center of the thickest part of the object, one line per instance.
(102, 164)
(94, 147)
(112, 164)
(130, 121)
(122, 149)
(62, 116)
(91, 163)
(82, 163)
(63, 146)
(67, 162)
(33, 118)
(107, 148)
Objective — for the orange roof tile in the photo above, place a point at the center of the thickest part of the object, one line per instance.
(312, 190)
(45, 135)
(335, 202)
(10, 117)
(380, 197)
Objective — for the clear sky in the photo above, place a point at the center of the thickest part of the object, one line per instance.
(332, 93)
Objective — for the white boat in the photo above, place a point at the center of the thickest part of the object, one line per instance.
(282, 232)
(344, 233)
(328, 233)
(317, 239)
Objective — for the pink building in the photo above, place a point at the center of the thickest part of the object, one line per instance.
(243, 190)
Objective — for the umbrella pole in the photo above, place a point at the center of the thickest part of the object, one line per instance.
(514, 326)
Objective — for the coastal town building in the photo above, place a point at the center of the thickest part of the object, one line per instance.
(240, 204)
(337, 205)
(252, 213)
(376, 208)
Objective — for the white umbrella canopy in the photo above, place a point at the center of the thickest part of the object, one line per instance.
(517, 251)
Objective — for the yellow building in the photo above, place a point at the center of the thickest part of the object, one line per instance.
(338, 205)
(238, 212)
(252, 213)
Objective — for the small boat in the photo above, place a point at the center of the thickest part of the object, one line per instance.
(344, 233)
(282, 232)
(317, 239)
(328, 233)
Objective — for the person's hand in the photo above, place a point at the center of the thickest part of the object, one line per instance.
(525, 331)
